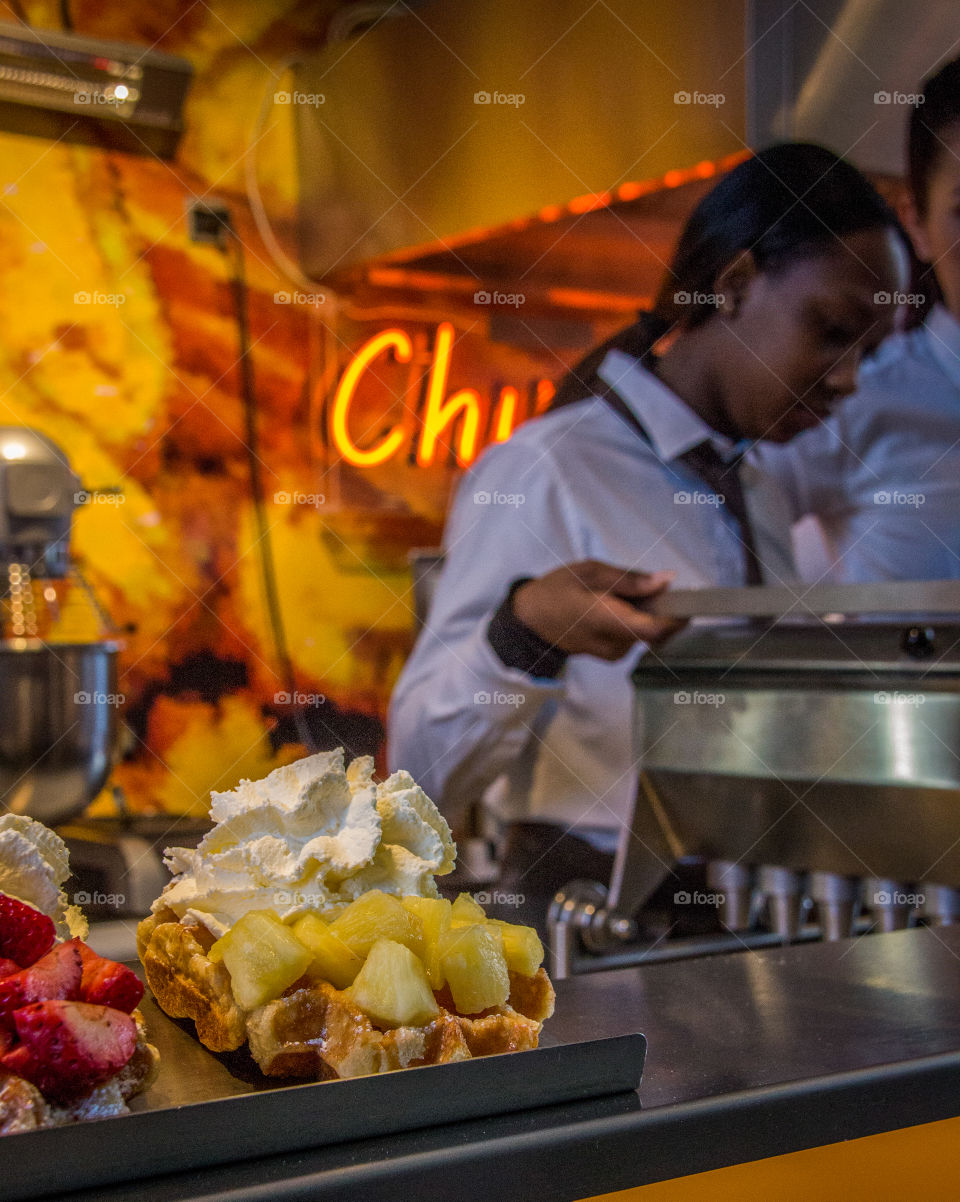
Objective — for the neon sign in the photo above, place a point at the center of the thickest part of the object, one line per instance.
(457, 417)
(343, 397)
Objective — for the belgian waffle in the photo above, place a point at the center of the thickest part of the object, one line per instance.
(314, 1030)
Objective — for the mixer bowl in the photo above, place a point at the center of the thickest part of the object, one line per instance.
(58, 721)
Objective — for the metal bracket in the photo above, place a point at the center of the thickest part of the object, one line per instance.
(578, 913)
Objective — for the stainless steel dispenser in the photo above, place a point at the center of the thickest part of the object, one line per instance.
(808, 741)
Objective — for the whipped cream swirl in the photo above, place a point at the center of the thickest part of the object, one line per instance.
(312, 835)
(33, 867)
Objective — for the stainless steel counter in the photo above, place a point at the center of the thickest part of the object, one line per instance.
(725, 1023)
(749, 1056)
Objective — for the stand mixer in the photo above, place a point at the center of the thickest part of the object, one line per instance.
(59, 703)
(58, 697)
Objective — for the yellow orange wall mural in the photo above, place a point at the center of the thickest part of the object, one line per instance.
(120, 343)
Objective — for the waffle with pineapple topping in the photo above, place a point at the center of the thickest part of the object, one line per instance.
(307, 925)
(316, 1031)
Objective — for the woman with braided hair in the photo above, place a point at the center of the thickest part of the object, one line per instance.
(518, 689)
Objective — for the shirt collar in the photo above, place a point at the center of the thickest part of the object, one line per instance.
(943, 337)
(672, 425)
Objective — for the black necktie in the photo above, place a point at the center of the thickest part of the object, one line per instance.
(721, 477)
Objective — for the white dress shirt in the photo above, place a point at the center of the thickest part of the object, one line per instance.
(576, 484)
(883, 473)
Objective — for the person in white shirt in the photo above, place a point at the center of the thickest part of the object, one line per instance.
(882, 474)
(518, 687)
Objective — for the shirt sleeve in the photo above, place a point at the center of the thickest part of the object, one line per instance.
(847, 472)
(897, 520)
(460, 717)
(812, 468)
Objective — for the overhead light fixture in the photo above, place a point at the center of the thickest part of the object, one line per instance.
(116, 95)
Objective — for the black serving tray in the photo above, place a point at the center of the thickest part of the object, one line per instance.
(202, 1112)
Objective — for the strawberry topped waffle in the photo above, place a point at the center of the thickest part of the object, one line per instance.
(72, 1043)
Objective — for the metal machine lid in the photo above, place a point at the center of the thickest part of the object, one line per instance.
(882, 597)
(904, 626)
(927, 645)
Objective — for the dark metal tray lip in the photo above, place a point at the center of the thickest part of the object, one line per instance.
(286, 1118)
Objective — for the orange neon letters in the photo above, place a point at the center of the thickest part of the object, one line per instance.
(392, 442)
(506, 417)
(462, 409)
(439, 413)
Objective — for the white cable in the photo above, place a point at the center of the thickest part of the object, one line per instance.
(345, 23)
(281, 260)
(342, 26)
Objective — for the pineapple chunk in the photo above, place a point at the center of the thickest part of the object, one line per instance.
(521, 947)
(375, 915)
(392, 987)
(466, 911)
(434, 915)
(263, 958)
(473, 963)
(332, 960)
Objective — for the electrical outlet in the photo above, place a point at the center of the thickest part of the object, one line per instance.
(208, 221)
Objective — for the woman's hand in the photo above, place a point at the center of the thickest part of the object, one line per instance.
(589, 608)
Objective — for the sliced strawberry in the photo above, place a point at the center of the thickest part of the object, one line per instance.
(107, 983)
(25, 933)
(70, 1046)
(19, 1059)
(7, 967)
(55, 975)
(6, 1040)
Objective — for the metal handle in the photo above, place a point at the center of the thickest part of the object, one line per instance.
(762, 601)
